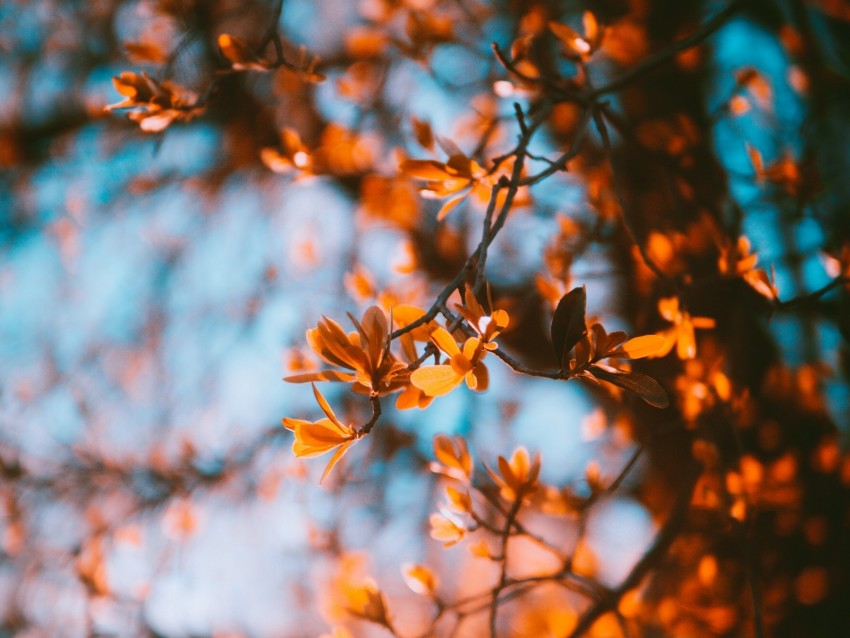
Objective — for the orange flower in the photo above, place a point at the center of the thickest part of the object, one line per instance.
(240, 55)
(578, 47)
(738, 261)
(701, 387)
(313, 439)
(160, 103)
(453, 458)
(243, 57)
(518, 477)
(458, 177)
(419, 578)
(366, 353)
(446, 528)
(367, 602)
(458, 500)
(465, 365)
(785, 172)
(681, 333)
(488, 326)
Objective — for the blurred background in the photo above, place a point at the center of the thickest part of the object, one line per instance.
(155, 287)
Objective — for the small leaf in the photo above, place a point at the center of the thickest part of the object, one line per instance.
(436, 381)
(446, 208)
(419, 578)
(444, 341)
(326, 408)
(449, 147)
(757, 161)
(574, 44)
(340, 452)
(145, 52)
(591, 26)
(564, 33)
(234, 49)
(640, 347)
(568, 325)
(424, 134)
(322, 375)
(642, 385)
(614, 339)
(424, 169)
(157, 123)
(375, 329)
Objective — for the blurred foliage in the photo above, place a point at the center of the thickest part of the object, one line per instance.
(580, 281)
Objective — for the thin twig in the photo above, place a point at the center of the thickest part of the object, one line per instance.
(560, 164)
(553, 87)
(662, 57)
(663, 540)
(503, 569)
(812, 296)
(375, 402)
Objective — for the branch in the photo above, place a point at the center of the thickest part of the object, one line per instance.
(667, 54)
(271, 33)
(813, 296)
(663, 540)
(375, 402)
(491, 228)
(553, 87)
(503, 570)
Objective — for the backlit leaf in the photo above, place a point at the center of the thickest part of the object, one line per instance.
(640, 347)
(436, 380)
(323, 375)
(450, 205)
(424, 169)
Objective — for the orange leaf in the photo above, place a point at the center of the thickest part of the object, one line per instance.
(234, 49)
(405, 315)
(419, 578)
(686, 345)
(445, 342)
(640, 347)
(436, 380)
(324, 375)
(453, 453)
(323, 404)
(425, 169)
(450, 205)
(335, 459)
